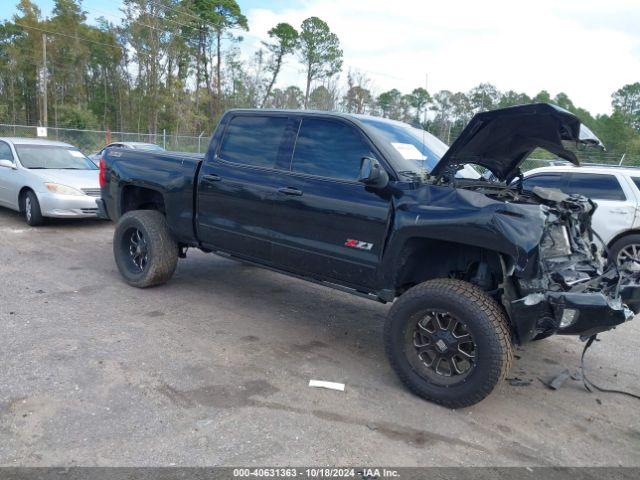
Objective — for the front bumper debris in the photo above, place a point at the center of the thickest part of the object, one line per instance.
(573, 292)
(573, 313)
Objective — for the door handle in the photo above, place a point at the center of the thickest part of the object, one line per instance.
(212, 177)
(618, 210)
(290, 191)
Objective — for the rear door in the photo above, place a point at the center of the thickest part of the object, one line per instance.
(326, 224)
(234, 182)
(616, 203)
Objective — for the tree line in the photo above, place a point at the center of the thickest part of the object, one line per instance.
(175, 65)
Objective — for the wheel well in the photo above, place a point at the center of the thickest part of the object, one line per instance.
(141, 198)
(622, 235)
(23, 192)
(426, 259)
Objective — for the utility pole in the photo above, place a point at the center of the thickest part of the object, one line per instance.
(426, 87)
(44, 80)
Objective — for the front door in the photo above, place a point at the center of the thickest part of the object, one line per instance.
(326, 224)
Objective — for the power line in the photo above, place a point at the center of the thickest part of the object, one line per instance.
(76, 37)
(166, 7)
(111, 14)
(201, 22)
(150, 26)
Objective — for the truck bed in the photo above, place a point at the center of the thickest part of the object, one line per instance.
(128, 173)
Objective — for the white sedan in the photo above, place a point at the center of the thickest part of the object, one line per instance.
(42, 178)
(616, 191)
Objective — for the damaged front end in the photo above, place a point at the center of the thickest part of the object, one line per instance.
(570, 288)
(555, 279)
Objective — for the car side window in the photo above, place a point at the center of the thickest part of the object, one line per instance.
(636, 181)
(5, 152)
(329, 149)
(596, 186)
(545, 180)
(253, 140)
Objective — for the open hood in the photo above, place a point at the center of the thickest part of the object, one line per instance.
(501, 140)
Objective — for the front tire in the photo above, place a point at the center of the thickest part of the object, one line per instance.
(449, 342)
(144, 249)
(31, 209)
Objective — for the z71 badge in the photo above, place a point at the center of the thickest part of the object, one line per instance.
(351, 243)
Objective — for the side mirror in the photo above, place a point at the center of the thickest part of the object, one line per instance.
(372, 174)
(7, 164)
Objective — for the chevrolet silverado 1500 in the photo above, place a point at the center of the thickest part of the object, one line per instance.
(386, 211)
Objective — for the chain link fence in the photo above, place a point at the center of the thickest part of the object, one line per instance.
(90, 141)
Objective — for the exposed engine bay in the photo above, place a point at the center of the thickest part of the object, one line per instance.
(555, 274)
(573, 288)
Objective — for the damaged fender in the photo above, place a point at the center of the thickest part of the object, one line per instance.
(465, 217)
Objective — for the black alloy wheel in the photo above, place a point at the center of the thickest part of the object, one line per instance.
(135, 243)
(444, 347)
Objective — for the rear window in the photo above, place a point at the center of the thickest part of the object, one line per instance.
(329, 149)
(595, 186)
(253, 140)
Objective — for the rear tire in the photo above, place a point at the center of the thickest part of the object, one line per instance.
(30, 208)
(144, 249)
(456, 366)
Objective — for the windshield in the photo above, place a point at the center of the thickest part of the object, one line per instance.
(416, 150)
(53, 157)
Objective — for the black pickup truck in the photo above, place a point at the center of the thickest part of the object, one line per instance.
(472, 263)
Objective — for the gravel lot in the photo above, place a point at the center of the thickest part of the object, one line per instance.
(212, 369)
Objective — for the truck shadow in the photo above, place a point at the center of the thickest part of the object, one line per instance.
(271, 307)
(311, 321)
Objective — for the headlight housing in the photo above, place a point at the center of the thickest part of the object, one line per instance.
(62, 189)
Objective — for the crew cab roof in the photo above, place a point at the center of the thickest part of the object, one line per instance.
(313, 113)
(357, 119)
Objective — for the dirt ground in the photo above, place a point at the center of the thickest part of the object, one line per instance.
(212, 369)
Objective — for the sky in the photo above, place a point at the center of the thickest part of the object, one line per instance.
(585, 48)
